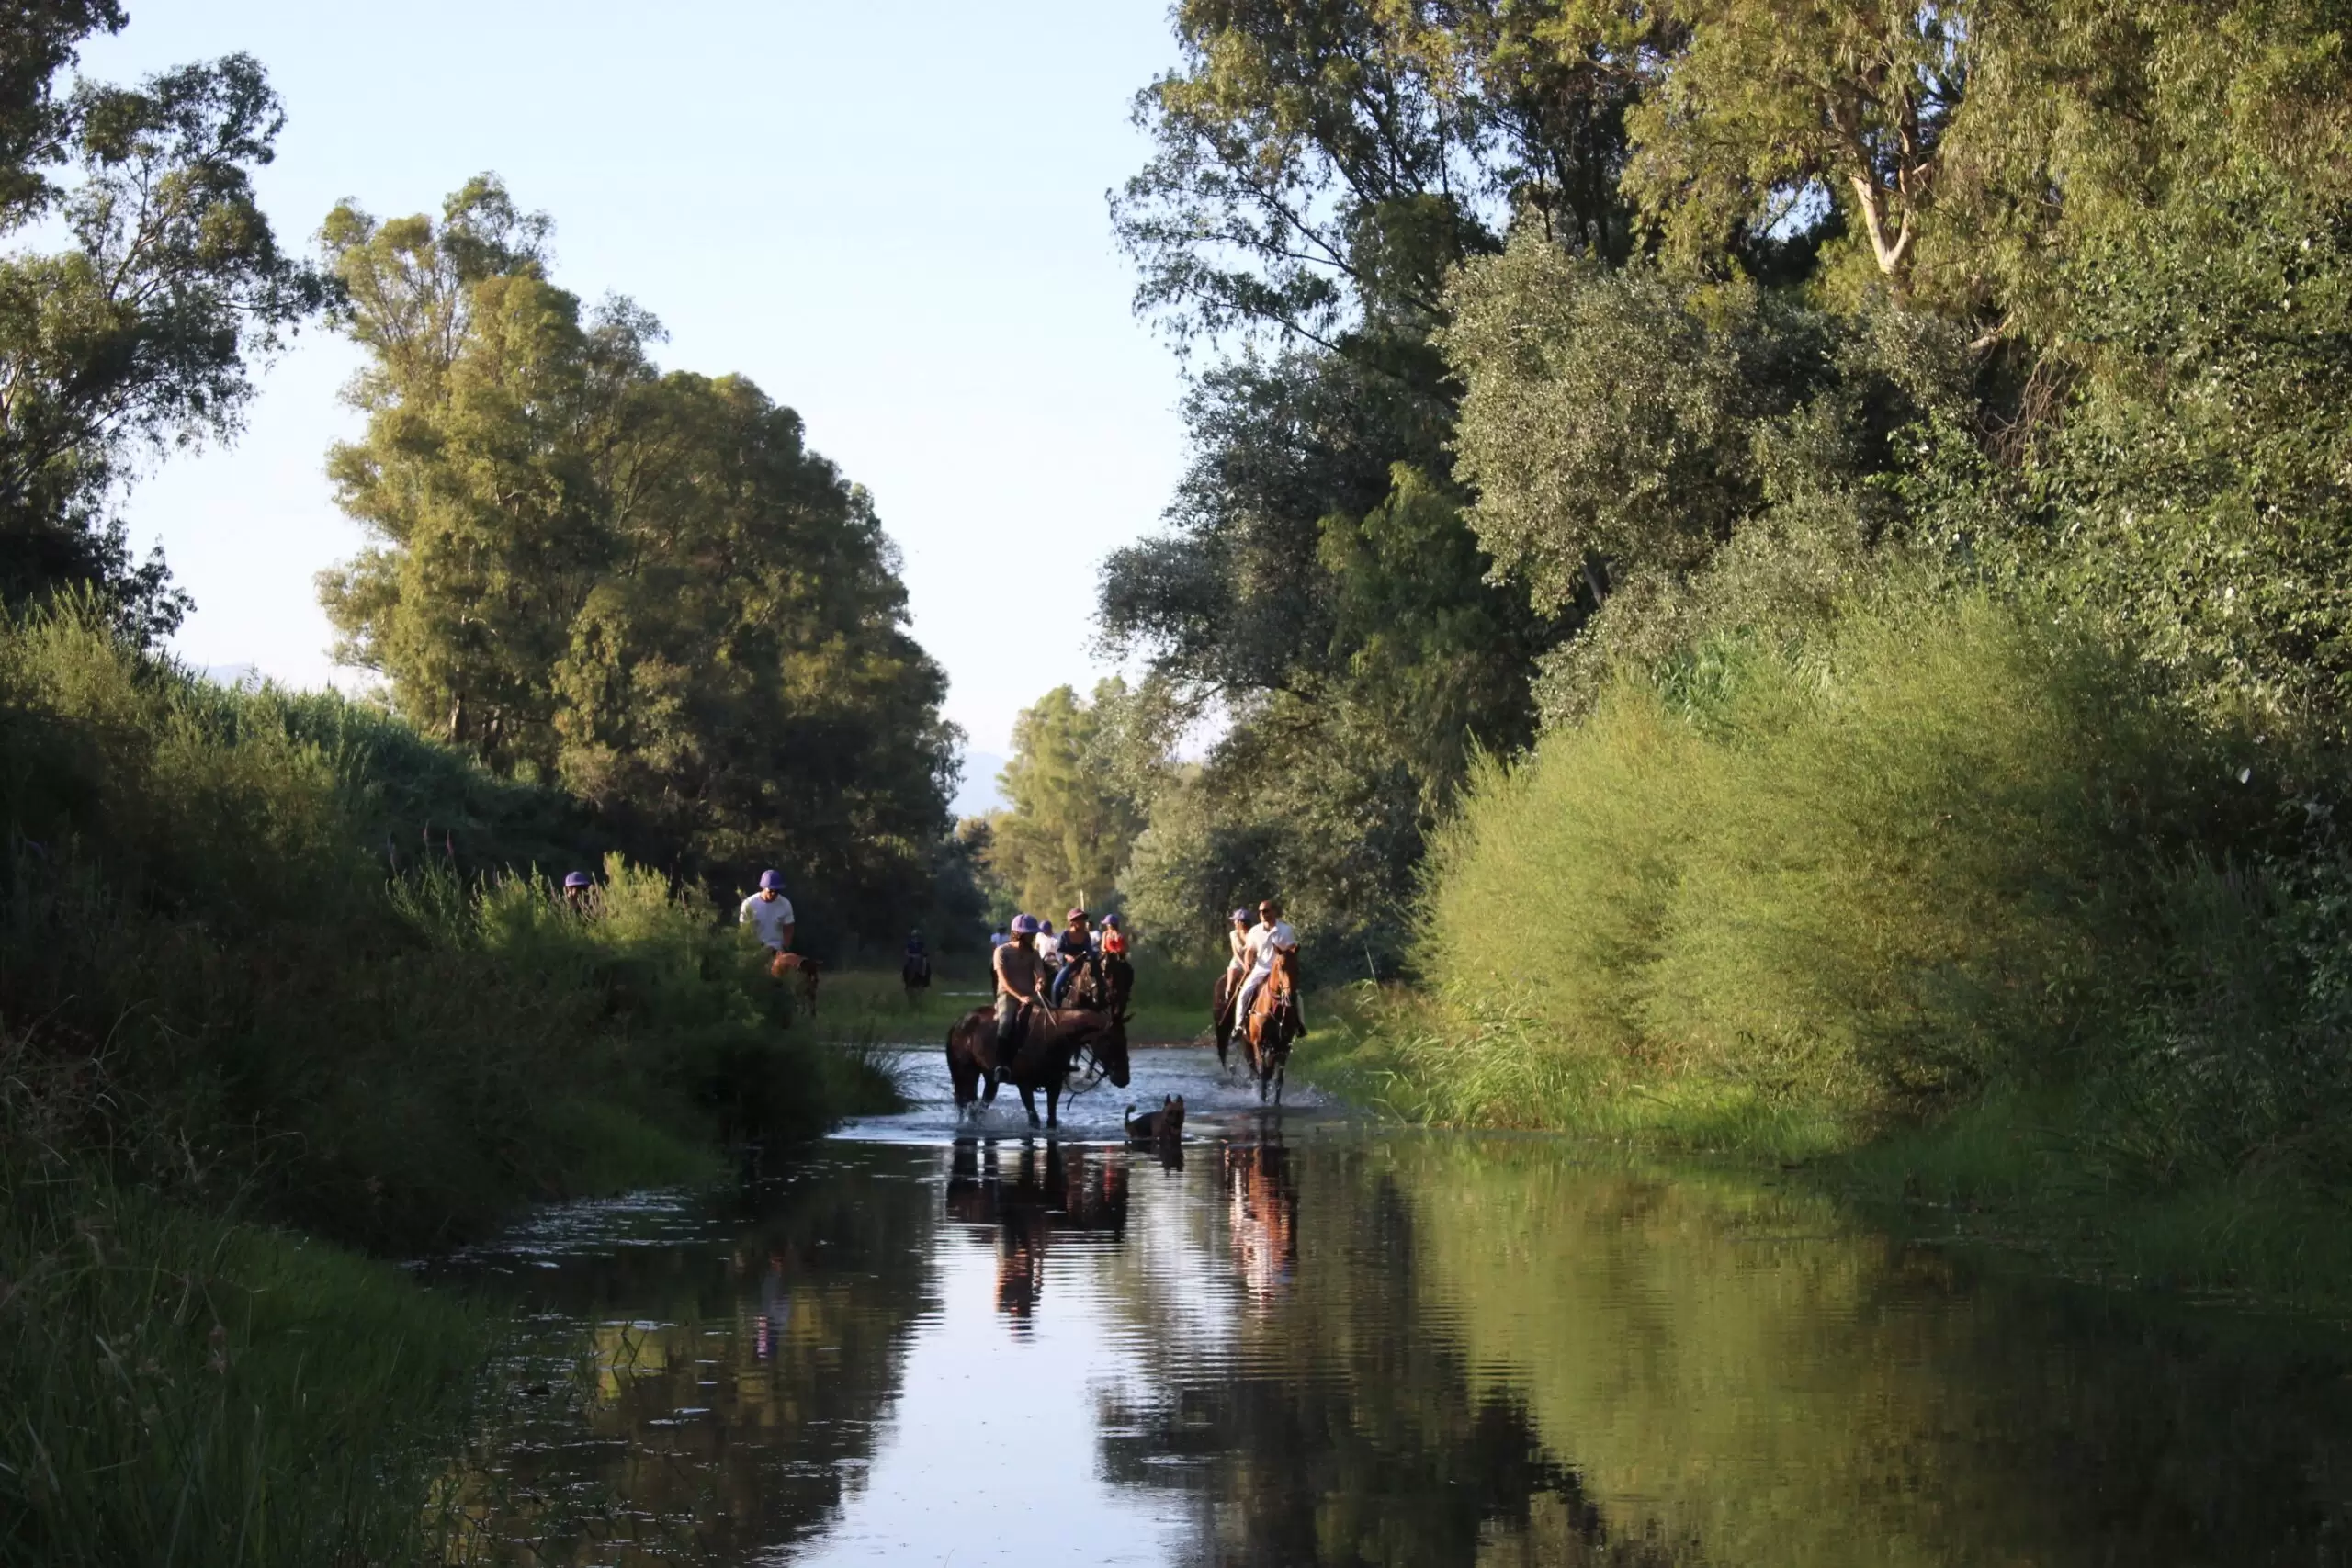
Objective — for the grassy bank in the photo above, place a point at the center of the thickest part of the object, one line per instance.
(1944, 903)
(241, 1045)
(870, 1005)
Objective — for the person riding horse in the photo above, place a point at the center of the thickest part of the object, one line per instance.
(1074, 954)
(1228, 985)
(1018, 971)
(1271, 935)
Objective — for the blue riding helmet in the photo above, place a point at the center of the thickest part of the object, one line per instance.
(770, 881)
(1241, 916)
(1023, 926)
(1110, 923)
(576, 879)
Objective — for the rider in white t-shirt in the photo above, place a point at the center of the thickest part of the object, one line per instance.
(769, 912)
(1271, 935)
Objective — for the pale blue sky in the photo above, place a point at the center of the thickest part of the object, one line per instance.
(888, 212)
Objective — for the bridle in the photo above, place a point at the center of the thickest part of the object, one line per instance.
(1086, 1068)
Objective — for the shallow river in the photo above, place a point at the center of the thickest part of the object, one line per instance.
(1313, 1342)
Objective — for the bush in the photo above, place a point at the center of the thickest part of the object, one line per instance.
(1943, 844)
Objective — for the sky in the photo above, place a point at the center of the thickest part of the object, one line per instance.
(888, 214)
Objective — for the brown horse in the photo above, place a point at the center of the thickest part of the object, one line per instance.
(915, 975)
(1272, 1024)
(1051, 1046)
(1221, 1009)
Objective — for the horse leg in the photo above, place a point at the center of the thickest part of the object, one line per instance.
(1029, 1103)
(989, 1097)
(1053, 1105)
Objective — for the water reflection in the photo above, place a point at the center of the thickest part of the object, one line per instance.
(1023, 1195)
(1331, 1348)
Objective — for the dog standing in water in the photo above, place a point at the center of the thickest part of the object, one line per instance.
(1163, 1125)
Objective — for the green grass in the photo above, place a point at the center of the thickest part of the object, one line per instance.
(239, 1048)
(181, 1389)
(870, 1005)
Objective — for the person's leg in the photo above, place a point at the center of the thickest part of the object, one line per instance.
(1007, 1015)
(1247, 994)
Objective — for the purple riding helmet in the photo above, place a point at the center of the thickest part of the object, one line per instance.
(770, 881)
(576, 879)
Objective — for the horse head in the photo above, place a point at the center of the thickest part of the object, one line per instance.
(1282, 977)
(1111, 1048)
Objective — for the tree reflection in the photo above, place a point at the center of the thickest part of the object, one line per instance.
(1334, 1420)
(731, 1393)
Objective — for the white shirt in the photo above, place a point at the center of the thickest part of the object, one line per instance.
(1265, 940)
(768, 917)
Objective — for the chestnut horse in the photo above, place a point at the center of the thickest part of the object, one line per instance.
(1272, 1024)
(1052, 1047)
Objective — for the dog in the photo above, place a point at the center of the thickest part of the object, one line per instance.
(1166, 1124)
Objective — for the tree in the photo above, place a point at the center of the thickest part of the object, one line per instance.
(1768, 106)
(642, 585)
(137, 336)
(1076, 804)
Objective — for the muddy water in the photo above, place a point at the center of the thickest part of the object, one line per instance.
(1303, 1342)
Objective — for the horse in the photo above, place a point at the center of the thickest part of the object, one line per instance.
(1272, 1024)
(811, 971)
(1051, 1046)
(915, 974)
(1105, 981)
(1221, 1009)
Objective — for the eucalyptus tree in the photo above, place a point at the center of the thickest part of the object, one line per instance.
(642, 585)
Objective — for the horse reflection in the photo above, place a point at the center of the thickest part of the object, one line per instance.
(1262, 1215)
(1042, 1189)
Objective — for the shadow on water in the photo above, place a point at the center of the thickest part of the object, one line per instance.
(1293, 1343)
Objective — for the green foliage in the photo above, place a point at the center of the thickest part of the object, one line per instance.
(1931, 848)
(1077, 801)
(219, 1009)
(138, 334)
(195, 914)
(1321, 586)
(642, 586)
(186, 1390)
(2192, 501)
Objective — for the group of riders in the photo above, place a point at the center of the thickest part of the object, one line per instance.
(1038, 970)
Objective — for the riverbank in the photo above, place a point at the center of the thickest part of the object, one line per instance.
(871, 1007)
(1949, 903)
(2029, 1174)
(249, 1043)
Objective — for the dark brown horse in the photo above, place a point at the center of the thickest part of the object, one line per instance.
(1272, 1024)
(1221, 997)
(1104, 982)
(1053, 1043)
(915, 975)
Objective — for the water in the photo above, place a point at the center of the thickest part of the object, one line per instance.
(1314, 1343)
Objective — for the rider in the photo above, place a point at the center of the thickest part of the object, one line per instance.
(1017, 968)
(1237, 969)
(579, 894)
(917, 957)
(1270, 936)
(769, 913)
(1074, 951)
(1115, 941)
